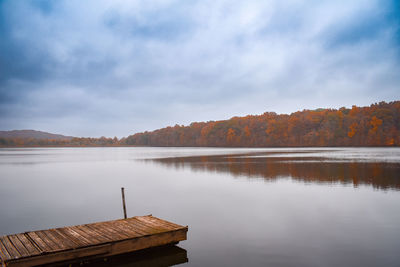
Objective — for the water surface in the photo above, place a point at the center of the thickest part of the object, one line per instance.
(244, 207)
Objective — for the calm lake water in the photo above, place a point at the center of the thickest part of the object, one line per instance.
(244, 207)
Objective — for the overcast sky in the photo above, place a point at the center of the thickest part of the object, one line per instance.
(113, 68)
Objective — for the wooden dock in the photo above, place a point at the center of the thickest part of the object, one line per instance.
(93, 240)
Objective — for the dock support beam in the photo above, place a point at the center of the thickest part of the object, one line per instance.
(123, 201)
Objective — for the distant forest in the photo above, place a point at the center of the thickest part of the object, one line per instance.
(376, 125)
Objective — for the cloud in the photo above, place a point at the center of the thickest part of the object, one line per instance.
(117, 67)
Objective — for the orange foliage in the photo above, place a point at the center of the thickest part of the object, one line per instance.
(247, 131)
(230, 136)
(352, 128)
(375, 122)
(376, 125)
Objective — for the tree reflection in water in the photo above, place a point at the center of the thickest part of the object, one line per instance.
(380, 175)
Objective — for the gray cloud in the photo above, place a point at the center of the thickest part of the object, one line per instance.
(118, 67)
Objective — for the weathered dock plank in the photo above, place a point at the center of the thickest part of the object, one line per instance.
(101, 239)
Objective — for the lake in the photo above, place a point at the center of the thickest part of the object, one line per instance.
(244, 207)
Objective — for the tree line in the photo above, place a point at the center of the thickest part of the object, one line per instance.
(74, 142)
(376, 125)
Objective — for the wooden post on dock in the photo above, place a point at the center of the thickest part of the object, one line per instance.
(123, 201)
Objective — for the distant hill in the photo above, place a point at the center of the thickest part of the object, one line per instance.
(25, 134)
